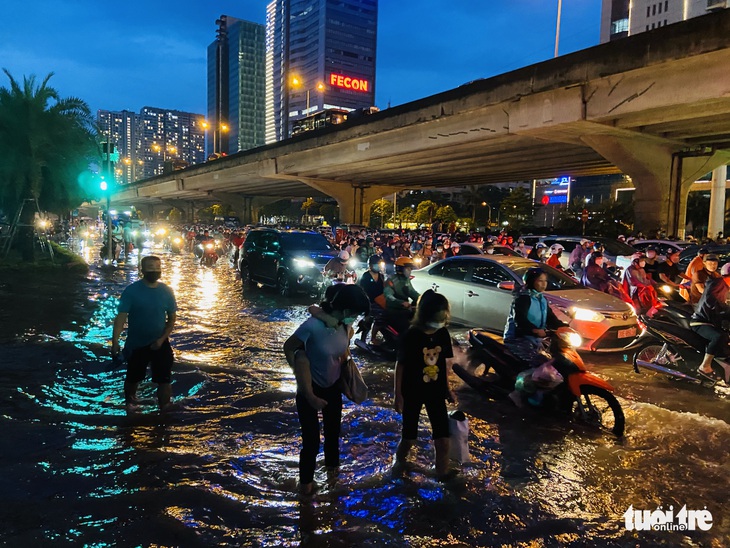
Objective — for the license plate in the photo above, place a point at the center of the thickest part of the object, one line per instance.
(624, 333)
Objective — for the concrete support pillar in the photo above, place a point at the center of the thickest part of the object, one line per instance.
(717, 202)
(353, 200)
(661, 176)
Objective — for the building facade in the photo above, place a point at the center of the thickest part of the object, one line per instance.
(152, 142)
(320, 54)
(236, 87)
(620, 18)
(122, 130)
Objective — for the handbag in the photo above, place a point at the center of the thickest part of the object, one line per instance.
(459, 436)
(351, 382)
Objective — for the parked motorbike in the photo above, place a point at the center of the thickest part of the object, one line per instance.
(493, 369)
(669, 346)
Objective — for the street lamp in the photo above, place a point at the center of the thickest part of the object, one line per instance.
(489, 212)
(217, 134)
(297, 82)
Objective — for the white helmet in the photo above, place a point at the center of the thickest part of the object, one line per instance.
(725, 270)
(344, 256)
(556, 248)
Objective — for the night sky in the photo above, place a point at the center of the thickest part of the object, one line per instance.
(130, 54)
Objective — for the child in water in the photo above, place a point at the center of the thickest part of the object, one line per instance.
(424, 351)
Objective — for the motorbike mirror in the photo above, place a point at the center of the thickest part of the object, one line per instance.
(506, 286)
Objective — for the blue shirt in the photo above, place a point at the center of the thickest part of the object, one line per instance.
(325, 347)
(147, 308)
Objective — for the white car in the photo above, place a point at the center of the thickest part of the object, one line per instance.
(480, 292)
(615, 252)
(664, 247)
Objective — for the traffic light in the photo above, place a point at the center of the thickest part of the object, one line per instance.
(103, 186)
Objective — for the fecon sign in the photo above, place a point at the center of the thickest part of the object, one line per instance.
(348, 82)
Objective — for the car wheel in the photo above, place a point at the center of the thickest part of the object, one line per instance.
(283, 284)
(245, 275)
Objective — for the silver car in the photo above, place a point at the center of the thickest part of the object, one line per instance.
(480, 292)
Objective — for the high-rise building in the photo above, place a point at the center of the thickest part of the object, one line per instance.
(170, 139)
(236, 87)
(620, 18)
(320, 54)
(122, 130)
(152, 142)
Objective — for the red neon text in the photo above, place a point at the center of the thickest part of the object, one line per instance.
(347, 82)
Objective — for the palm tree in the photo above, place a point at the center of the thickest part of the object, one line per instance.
(47, 145)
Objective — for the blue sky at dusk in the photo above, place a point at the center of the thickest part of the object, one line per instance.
(130, 54)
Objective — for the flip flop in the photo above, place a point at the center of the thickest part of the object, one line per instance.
(711, 376)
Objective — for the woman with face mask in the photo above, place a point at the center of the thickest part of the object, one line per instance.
(421, 370)
(316, 352)
(639, 286)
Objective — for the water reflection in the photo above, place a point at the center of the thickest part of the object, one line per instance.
(221, 469)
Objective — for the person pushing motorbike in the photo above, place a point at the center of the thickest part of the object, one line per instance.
(399, 295)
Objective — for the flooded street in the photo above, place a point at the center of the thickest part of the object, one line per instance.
(221, 469)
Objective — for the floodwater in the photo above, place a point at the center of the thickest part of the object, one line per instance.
(221, 469)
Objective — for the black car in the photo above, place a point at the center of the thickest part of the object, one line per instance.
(290, 260)
(689, 253)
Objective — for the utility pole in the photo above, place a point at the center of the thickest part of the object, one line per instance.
(557, 26)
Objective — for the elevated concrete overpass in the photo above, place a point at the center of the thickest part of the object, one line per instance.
(655, 106)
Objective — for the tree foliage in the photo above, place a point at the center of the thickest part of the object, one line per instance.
(47, 144)
(381, 212)
(517, 208)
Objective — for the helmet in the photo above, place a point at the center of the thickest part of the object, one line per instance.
(403, 262)
(556, 248)
(725, 270)
(540, 245)
(344, 256)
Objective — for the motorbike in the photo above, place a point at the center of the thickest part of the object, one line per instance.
(209, 256)
(668, 345)
(494, 370)
(175, 245)
(387, 343)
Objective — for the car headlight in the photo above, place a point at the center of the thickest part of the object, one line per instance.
(303, 263)
(586, 315)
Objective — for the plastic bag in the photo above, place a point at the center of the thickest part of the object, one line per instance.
(459, 436)
(352, 384)
(546, 376)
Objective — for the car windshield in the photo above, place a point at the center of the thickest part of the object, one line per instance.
(305, 241)
(556, 280)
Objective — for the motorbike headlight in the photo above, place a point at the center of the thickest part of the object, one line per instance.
(161, 232)
(177, 240)
(574, 340)
(666, 289)
(146, 232)
(303, 263)
(134, 233)
(382, 266)
(418, 261)
(352, 263)
(208, 246)
(586, 315)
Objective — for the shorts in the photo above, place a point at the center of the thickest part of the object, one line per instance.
(161, 361)
(436, 410)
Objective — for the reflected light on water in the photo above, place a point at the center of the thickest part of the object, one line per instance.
(206, 293)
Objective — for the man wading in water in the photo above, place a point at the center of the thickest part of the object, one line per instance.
(151, 310)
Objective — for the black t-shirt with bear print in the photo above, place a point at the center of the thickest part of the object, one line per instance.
(423, 358)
